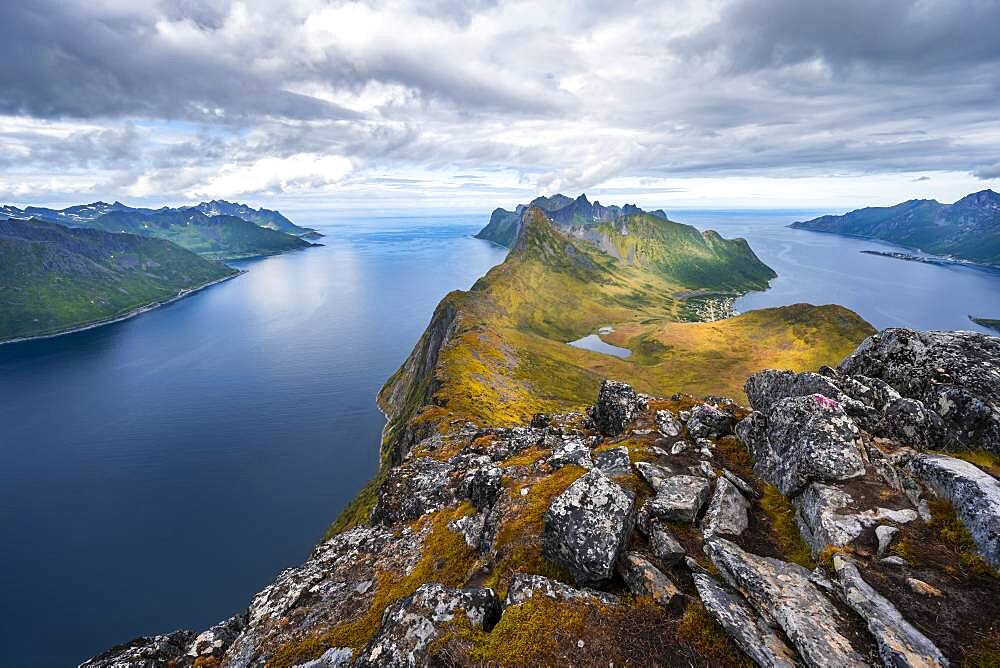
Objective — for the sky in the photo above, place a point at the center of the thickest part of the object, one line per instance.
(468, 105)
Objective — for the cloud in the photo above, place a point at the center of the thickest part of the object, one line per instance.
(310, 99)
(988, 172)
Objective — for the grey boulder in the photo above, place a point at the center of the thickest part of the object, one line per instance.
(614, 461)
(679, 498)
(974, 493)
(617, 405)
(727, 512)
(645, 579)
(588, 525)
(411, 624)
(525, 587)
(803, 439)
(707, 421)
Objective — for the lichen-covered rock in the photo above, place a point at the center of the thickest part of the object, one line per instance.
(662, 542)
(335, 657)
(614, 461)
(679, 498)
(417, 486)
(588, 525)
(785, 593)
(573, 451)
(525, 586)
(803, 439)
(482, 486)
(727, 512)
(974, 493)
(667, 424)
(899, 643)
(748, 629)
(955, 374)
(645, 579)
(146, 652)
(411, 624)
(215, 641)
(766, 388)
(745, 488)
(617, 405)
(824, 519)
(707, 421)
(885, 534)
(909, 421)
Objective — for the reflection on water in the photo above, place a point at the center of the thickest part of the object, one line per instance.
(594, 343)
(157, 472)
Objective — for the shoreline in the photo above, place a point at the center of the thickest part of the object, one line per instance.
(126, 316)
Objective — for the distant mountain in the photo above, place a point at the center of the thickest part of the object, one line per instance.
(57, 278)
(969, 229)
(222, 237)
(263, 217)
(564, 211)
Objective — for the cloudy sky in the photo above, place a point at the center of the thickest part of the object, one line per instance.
(313, 104)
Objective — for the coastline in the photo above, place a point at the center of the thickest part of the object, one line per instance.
(955, 261)
(126, 316)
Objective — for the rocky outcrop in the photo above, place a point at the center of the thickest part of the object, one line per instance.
(587, 526)
(974, 494)
(525, 587)
(616, 406)
(679, 498)
(708, 421)
(955, 374)
(801, 439)
(747, 628)
(899, 643)
(410, 625)
(146, 652)
(785, 593)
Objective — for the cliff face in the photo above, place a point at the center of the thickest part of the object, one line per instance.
(818, 526)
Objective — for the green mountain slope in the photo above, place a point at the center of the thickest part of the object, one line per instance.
(969, 229)
(55, 278)
(217, 229)
(215, 237)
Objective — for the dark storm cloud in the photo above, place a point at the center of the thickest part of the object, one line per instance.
(909, 36)
(60, 59)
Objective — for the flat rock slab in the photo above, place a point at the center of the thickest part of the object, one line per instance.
(727, 513)
(785, 593)
(899, 643)
(525, 587)
(588, 525)
(748, 630)
(411, 624)
(974, 493)
(680, 498)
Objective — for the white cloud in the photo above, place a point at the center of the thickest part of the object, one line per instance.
(274, 175)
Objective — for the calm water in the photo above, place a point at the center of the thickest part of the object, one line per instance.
(157, 472)
(594, 343)
(829, 269)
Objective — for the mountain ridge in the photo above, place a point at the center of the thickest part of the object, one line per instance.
(968, 229)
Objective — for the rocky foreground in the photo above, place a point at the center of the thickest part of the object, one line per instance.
(837, 521)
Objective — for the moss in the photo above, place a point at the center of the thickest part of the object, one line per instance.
(703, 634)
(783, 527)
(956, 537)
(446, 559)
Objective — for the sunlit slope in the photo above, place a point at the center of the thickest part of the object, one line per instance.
(497, 353)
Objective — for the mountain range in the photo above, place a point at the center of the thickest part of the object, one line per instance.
(565, 212)
(217, 229)
(969, 229)
(56, 279)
